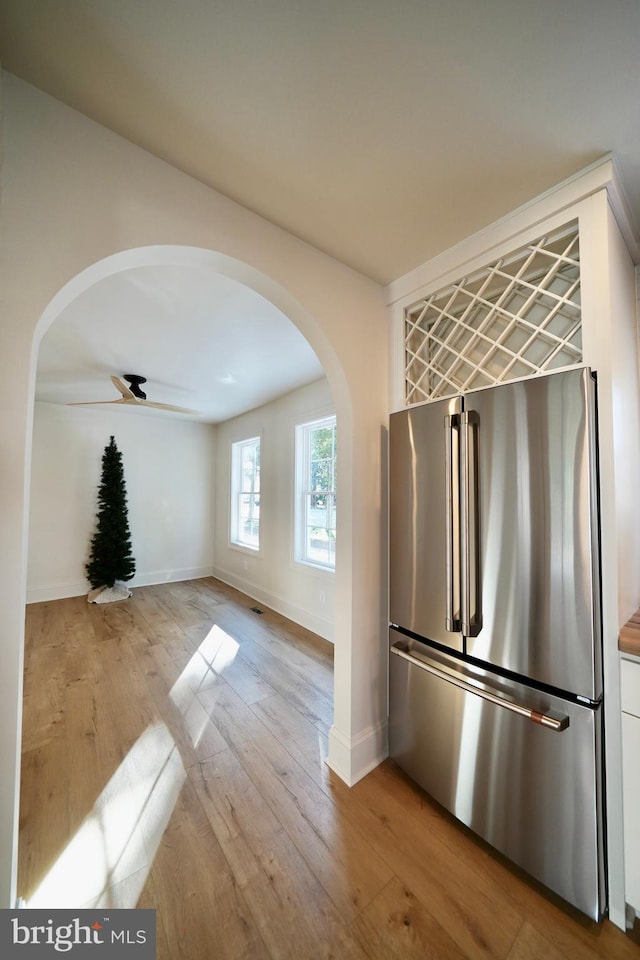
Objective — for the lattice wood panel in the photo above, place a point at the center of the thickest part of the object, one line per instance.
(514, 318)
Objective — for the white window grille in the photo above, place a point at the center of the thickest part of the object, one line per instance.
(316, 471)
(514, 318)
(245, 493)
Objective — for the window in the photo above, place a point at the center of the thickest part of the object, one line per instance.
(316, 492)
(245, 493)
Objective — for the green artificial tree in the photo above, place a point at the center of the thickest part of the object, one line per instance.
(111, 557)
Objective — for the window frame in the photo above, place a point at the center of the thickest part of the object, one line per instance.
(236, 492)
(303, 491)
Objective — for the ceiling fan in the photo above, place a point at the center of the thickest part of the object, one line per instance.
(133, 395)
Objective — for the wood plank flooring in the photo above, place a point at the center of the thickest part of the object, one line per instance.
(173, 757)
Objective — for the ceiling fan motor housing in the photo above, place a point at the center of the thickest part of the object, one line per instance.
(134, 382)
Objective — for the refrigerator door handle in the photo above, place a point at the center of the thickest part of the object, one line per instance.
(557, 724)
(452, 515)
(471, 587)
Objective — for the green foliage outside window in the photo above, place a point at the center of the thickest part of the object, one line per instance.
(320, 497)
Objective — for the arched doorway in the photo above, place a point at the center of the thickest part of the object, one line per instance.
(129, 261)
(205, 260)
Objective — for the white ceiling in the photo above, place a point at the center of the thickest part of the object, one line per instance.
(203, 341)
(380, 131)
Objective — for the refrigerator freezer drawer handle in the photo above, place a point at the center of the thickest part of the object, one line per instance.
(557, 724)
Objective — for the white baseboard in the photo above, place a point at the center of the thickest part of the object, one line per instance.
(170, 576)
(310, 621)
(353, 758)
(57, 591)
(60, 591)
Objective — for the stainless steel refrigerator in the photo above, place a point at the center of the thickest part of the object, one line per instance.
(495, 694)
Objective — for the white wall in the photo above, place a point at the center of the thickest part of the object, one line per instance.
(169, 473)
(610, 340)
(626, 418)
(76, 202)
(177, 474)
(303, 593)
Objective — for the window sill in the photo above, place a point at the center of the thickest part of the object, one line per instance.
(316, 567)
(246, 550)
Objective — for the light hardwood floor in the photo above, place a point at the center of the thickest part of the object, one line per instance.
(173, 757)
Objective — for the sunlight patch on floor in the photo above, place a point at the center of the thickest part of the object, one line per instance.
(216, 652)
(218, 649)
(121, 835)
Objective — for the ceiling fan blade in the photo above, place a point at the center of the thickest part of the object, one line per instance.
(123, 388)
(169, 406)
(130, 399)
(93, 403)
